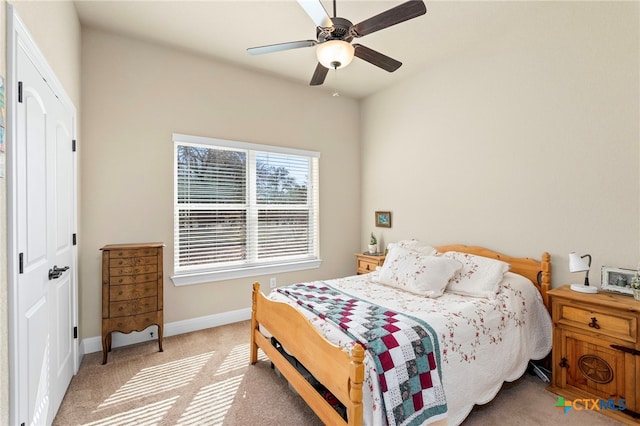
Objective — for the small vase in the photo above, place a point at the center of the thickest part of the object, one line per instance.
(373, 248)
(636, 294)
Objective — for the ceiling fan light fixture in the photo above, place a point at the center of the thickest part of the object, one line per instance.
(335, 54)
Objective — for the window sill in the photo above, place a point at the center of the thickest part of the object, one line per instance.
(189, 278)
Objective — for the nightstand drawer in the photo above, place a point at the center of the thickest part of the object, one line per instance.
(617, 325)
(365, 265)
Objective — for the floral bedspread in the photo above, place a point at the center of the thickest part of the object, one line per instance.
(483, 342)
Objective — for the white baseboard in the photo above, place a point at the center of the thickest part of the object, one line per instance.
(94, 344)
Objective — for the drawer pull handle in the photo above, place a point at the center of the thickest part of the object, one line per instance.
(631, 351)
(564, 363)
(368, 266)
(594, 323)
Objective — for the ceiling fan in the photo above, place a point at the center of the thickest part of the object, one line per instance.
(334, 36)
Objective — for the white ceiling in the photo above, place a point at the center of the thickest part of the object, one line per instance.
(224, 30)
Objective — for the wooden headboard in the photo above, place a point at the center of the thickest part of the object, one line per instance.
(539, 272)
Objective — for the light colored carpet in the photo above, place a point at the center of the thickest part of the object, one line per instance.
(204, 378)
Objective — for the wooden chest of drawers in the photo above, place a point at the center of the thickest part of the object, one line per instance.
(596, 350)
(132, 283)
(366, 263)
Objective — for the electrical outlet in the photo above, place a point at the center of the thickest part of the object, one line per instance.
(272, 282)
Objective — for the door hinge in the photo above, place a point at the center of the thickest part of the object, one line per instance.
(75, 332)
(73, 145)
(631, 351)
(19, 92)
(20, 263)
(74, 239)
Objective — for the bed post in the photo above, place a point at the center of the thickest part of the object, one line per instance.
(253, 357)
(356, 378)
(545, 285)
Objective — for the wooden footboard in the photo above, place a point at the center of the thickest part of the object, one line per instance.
(339, 372)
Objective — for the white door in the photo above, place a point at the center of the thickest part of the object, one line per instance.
(45, 205)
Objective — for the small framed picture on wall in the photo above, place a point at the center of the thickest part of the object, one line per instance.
(383, 219)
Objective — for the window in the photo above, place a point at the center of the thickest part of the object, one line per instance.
(242, 209)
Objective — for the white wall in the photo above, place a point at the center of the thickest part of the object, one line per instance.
(55, 27)
(134, 96)
(523, 144)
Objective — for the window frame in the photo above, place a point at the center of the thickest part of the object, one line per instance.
(197, 275)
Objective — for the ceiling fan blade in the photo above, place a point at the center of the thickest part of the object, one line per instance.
(319, 75)
(317, 13)
(376, 58)
(393, 16)
(281, 46)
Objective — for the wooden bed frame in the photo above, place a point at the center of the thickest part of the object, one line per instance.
(339, 372)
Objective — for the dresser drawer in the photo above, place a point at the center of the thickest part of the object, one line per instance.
(133, 306)
(619, 325)
(132, 279)
(134, 323)
(133, 291)
(133, 261)
(132, 270)
(139, 252)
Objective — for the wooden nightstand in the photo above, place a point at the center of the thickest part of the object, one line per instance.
(596, 350)
(366, 263)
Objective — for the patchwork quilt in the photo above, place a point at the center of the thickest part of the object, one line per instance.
(405, 349)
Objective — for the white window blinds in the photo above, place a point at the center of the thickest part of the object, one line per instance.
(242, 206)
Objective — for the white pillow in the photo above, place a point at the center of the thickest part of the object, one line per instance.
(412, 271)
(479, 276)
(415, 245)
